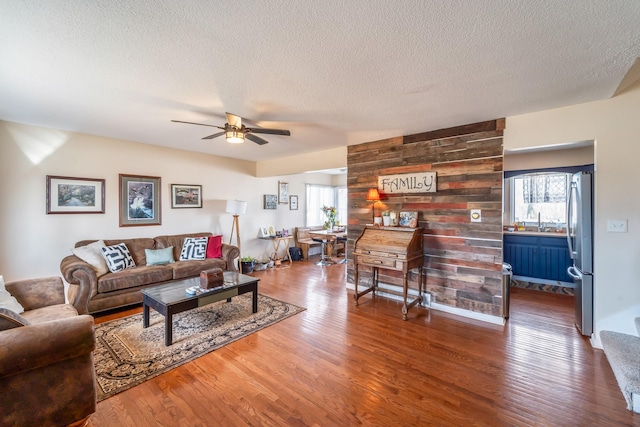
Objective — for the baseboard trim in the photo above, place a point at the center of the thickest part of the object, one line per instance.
(495, 320)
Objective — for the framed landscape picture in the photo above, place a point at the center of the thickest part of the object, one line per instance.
(270, 201)
(186, 196)
(139, 200)
(67, 195)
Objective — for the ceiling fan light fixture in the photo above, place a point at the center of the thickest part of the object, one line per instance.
(234, 136)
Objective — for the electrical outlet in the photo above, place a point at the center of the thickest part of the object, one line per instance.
(617, 225)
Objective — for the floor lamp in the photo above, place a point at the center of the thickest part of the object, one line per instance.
(237, 208)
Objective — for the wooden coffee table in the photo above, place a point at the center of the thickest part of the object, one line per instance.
(172, 298)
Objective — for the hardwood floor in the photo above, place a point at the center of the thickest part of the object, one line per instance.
(339, 364)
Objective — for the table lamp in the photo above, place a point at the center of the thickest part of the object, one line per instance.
(237, 208)
(373, 196)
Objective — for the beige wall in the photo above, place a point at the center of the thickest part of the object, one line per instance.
(614, 126)
(330, 159)
(32, 243)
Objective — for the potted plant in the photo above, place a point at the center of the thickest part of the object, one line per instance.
(248, 264)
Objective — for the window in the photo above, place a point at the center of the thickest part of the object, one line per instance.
(539, 196)
(325, 195)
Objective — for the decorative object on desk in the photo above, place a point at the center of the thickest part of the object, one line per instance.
(386, 219)
(293, 203)
(331, 213)
(373, 196)
(283, 192)
(237, 208)
(186, 196)
(264, 232)
(139, 200)
(67, 195)
(408, 219)
(248, 263)
(377, 220)
(393, 215)
(270, 201)
(285, 232)
(211, 278)
(126, 354)
(278, 233)
(272, 231)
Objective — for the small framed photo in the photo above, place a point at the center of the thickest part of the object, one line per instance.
(272, 231)
(270, 201)
(408, 219)
(283, 193)
(139, 200)
(186, 196)
(264, 232)
(293, 203)
(67, 195)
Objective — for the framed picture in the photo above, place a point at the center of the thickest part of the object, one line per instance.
(272, 231)
(264, 232)
(67, 195)
(270, 201)
(293, 203)
(408, 219)
(186, 196)
(139, 200)
(283, 192)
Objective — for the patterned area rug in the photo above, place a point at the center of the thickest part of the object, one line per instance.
(127, 354)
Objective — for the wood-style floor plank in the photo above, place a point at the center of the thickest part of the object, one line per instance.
(340, 364)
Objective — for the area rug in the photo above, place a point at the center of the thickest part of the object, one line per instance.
(127, 354)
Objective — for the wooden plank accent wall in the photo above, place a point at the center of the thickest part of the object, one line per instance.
(463, 260)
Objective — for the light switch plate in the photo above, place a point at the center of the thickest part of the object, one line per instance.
(617, 225)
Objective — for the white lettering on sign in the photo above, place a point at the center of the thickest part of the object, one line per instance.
(421, 182)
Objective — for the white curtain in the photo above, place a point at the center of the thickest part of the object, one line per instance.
(324, 195)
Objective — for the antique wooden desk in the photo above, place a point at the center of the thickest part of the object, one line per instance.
(392, 248)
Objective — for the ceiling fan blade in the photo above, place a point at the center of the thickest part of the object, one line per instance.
(256, 139)
(199, 124)
(215, 135)
(234, 120)
(269, 131)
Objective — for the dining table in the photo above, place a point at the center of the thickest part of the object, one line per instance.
(330, 236)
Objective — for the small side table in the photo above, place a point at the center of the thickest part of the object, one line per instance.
(277, 241)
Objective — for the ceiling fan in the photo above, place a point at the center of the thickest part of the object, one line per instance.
(235, 132)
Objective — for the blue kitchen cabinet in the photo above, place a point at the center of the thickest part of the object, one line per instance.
(538, 257)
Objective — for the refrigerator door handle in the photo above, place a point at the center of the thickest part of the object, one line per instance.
(575, 274)
(571, 190)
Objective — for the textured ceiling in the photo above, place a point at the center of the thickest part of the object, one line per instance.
(335, 73)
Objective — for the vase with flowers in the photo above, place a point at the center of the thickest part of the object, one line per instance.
(331, 213)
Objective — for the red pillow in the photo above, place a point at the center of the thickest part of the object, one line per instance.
(214, 247)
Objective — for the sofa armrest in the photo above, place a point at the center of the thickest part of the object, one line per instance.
(83, 282)
(37, 293)
(229, 254)
(43, 344)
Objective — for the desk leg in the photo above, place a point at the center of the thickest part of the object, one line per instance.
(355, 282)
(405, 284)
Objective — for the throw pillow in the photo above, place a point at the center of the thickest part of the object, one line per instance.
(7, 300)
(10, 319)
(194, 248)
(159, 256)
(214, 247)
(92, 255)
(117, 257)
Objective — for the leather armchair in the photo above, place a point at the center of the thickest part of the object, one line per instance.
(47, 375)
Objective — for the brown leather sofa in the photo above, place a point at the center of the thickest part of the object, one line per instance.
(46, 362)
(90, 294)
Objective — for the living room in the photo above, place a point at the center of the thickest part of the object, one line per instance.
(32, 146)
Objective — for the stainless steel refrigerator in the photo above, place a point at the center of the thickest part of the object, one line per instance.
(580, 238)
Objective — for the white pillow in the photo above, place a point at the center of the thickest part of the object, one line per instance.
(92, 255)
(7, 300)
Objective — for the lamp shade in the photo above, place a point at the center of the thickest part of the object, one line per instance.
(236, 207)
(373, 195)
